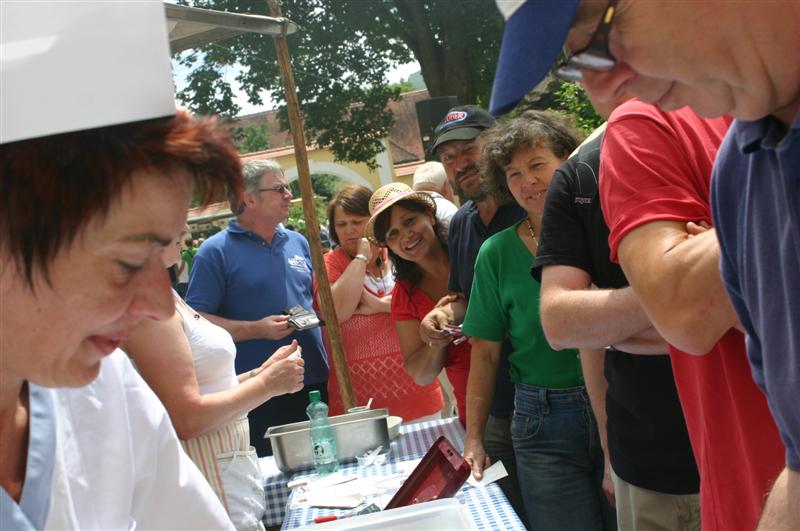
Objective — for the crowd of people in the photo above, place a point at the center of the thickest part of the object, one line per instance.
(616, 316)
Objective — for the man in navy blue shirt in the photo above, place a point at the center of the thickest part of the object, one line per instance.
(457, 145)
(244, 277)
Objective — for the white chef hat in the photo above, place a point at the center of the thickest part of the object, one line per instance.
(70, 65)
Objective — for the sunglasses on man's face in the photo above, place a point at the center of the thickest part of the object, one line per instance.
(595, 56)
(279, 188)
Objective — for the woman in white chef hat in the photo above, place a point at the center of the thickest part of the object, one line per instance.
(96, 172)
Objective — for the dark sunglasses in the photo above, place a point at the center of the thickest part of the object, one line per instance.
(595, 56)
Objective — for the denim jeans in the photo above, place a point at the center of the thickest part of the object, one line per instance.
(559, 460)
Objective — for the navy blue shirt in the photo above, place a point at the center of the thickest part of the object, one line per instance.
(756, 208)
(237, 275)
(464, 239)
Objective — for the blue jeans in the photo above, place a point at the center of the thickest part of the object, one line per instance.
(559, 460)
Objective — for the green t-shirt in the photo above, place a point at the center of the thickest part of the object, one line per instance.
(505, 302)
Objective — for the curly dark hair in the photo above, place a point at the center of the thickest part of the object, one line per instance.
(529, 129)
(404, 268)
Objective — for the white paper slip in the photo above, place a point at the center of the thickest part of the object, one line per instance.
(490, 475)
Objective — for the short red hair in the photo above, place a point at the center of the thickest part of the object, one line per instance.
(51, 187)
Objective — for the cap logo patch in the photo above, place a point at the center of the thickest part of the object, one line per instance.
(453, 117)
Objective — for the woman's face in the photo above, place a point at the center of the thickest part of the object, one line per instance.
(410, 234)
(110, 278)
(349, 229)
(528, 175)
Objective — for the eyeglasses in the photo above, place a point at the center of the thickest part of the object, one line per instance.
(280, 188)
(596, 55)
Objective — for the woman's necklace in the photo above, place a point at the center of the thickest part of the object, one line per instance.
(530, 228)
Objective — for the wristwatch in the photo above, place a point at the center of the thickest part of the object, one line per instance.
(360, 256)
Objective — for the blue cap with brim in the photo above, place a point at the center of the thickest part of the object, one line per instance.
(534, 34)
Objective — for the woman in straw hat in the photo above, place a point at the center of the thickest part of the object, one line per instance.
(362, 281)
(556, 444)
(405, 222)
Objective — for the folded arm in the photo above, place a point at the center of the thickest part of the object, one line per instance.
(574, 315)
(676, 277)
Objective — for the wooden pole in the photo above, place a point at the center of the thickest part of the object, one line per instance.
(310, 215)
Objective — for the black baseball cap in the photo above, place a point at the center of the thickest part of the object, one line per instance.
(463, 122)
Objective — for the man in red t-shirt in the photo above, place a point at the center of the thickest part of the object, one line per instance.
(655, 173)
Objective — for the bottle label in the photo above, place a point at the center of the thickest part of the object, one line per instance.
(324, 451)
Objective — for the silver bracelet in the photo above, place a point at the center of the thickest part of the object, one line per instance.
(360, 256)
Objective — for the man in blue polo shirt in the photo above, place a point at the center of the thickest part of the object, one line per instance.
(244, 277)
(716, 61)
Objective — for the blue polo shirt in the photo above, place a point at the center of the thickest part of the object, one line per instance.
(464, 239)
(237, 275)
(756, 206)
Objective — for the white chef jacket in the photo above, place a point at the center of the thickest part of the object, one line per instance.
(117, 463)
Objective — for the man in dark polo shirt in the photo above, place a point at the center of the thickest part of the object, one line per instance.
(457, 146)
(643, 431)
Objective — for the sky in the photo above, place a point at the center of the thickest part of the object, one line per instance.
(180, 72)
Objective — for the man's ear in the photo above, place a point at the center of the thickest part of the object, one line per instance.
(248, 199)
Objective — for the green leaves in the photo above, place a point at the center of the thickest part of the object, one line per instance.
(340, 58)
(573, 99)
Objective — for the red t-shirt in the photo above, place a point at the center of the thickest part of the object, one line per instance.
(656, 166)
(410, 303)
(375, 362)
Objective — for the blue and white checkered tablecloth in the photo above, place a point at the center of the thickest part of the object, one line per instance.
(488, 506)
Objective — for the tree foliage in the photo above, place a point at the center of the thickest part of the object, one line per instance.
(297, 221)
(325, 187)
(340, 58)
(573, 99)
(253, 138)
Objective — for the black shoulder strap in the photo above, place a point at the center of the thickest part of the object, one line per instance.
(587, 167)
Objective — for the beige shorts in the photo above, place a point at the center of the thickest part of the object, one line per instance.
(641, 509)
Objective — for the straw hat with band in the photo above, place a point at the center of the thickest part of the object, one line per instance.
(387, 196)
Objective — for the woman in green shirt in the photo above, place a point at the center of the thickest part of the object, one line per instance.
(559, 459)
